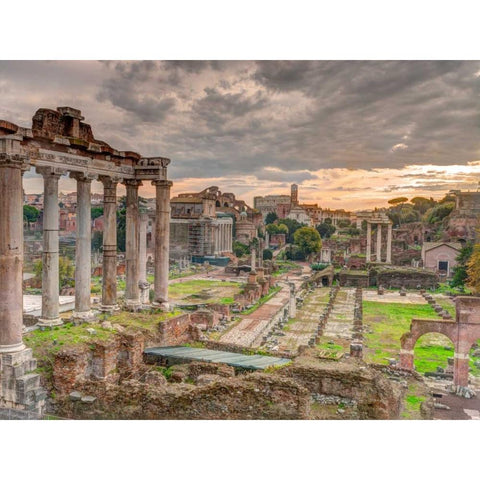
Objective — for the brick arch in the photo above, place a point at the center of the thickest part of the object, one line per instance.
(463, 332)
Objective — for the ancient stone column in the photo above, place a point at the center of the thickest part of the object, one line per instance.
(254, 260)
(369, 241)
(11, 253)
(379, 242)
(132, 291)
(292, 304)
(162, 243)
(109, 282)
(389, 243)
(142, 248)
(50, 275)
(83, 252)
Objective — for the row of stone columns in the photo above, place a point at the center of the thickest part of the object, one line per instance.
(135, 254)
(223, 238)
(379, 242)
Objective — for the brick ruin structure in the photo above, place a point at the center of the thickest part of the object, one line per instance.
(463, 331)
(59, 142)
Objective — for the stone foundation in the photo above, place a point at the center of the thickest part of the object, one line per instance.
(20, 388)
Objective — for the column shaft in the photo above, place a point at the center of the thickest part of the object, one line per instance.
(389, 243)
(50, 273)
(109, 283)
(83, 253)
(162, 243)
(379, 242)
(11, 254)
(132, 292)
(369, 242)
(142, 248)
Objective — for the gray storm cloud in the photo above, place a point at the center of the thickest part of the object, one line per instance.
(230, 118)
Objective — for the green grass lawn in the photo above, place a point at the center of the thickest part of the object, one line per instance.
(204, 291)
(389, 321)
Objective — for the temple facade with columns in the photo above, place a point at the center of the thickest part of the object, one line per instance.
(59, 143)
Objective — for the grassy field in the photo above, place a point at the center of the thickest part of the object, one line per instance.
(204, 291)
(389, 321)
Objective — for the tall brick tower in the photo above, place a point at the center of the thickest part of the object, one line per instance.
(294, 195)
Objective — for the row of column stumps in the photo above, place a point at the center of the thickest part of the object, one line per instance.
(356, 346)
(439, 310)
(322, 321)
(379, 241)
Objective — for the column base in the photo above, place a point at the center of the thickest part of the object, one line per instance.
(164, 306)
(21, 389)
(83, 317)
(133, 305)
(109, 308)
(18, 347)
(49, 322)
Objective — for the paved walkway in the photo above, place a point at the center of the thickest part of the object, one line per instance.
(300, 330)
(340, 320)
(251, 329)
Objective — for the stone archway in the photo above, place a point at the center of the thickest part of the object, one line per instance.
(463, 331)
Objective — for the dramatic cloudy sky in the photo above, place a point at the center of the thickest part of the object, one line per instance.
(351, 134)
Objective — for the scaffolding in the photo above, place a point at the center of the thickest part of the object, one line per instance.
(200, 237)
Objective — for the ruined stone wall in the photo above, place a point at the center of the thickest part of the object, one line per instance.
(175, 331)
(352, 279)
(408, 278)
(253, 396)
(110, 361)
(375, 396)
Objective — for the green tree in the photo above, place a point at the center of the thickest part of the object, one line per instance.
(398, 200)
(96, 212)
(326, 230)
(439, 212)
(344, 223)
(66, 271)
(460, 270)
(422, 204)
(240, 249)
(270, 218)
(97, 240)
(274, 228)
(292, 225)
(267, 254)
(121, 223)
(473, 269)
(30, 214)
(308, 240)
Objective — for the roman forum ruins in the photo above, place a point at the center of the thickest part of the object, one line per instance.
(58, 143)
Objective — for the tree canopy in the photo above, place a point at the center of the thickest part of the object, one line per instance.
(30, 214)
(398, 200)
(270, 218)
(473, 269)
(308, 240)
(326, 230)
